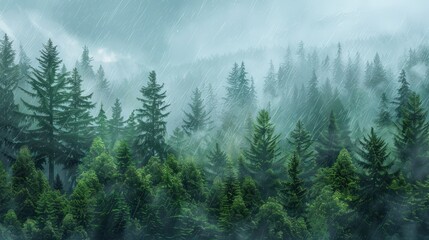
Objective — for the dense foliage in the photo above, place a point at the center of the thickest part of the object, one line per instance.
(295, 169)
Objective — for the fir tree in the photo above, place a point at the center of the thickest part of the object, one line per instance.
(151, 116)
(313, 104)
(329, 144)
(123, 157)
(263, 153)
(82, 206)
(5, 191)
(85, 66)
(404, 93)
(376, 182)
(270, 82)
(9, 118)
(412, 139)
(102, 84)
(301, 142)
(130, 129)
(293, 191)
(50, 98)
(197, 119)
(101, 125)
(338, 68)
(383, 118)
(343, 176)
(116, 123)
(76, 120)
(24, 66)
(375, 73)
(217, 163)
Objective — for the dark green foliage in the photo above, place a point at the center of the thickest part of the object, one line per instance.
(50, 99)
(123, 157)
(101, 125)
(28, 184)
(5, 191)
(197, 119)
(263, 153)
(292, 192)
(329, 144)
(343, 176)
(384, 119)
(9, 118)
(375, 185)
(58, 184)
(302, 143)
(403, 94)
(82, 205)
(76, 121)
(116, 123)
(193, 182)
(151, 128)
(412, 139)
(217, 160)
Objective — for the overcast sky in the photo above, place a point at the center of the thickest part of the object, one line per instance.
(136, 33)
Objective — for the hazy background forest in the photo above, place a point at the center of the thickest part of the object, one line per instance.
(214, 120)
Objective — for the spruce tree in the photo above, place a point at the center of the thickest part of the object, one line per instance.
(197, 119)
(412, 139)
(82, 206)
(375, 185)
(116, 123)
(5, 191)
(404, 93)
(217, 160)
(384, 118)
(50, 98)
(24, 66)
(232, 87)
(151, 128)
(301, 142)
(338, 68)
(102, 84)
(85, 66)
(343, 176)
(375, 73)
(329, 144)
(263, 153)
(123, 157)
(293, 192)
(313, 104)
(270, 82)
(9, 117)
(130, 129)
(101, 125)
(76, 120)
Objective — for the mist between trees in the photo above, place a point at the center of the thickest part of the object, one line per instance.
(331, 147)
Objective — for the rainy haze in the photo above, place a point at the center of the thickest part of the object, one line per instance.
(175, 119)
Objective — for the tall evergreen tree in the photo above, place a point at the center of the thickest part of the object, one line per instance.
(263, 153)
(412, 139)
(301, 142)
(101, 125)
(130, 129)
(85, 67)
(270, 82)
(293, 192)
(50, 95)
(76, 121)
(338, 68)
(383, 118)
(404, 93)
(343, 176)
(197, 119)
(102, 84)
(329, 144)
(5, 191)
(116, 123)
(151, 116)
(24, 66)
(376, 181)
(313, 104)
(376, 74)
(123, 157)
(217, 163)
(9, 117)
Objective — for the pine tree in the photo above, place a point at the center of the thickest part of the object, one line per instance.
(116, 123)
(313, 104)
(102, 84)
(9, 118)
(24, 66)
(123, 157)
(130, 129)
(285, 72)
(383, 118)
(263, 153)
(82, 206)
(270, 82)
(376, 74)
(412, 139)
(76, 120)
(85, 66)
(329, 144)
(338, 70)
(376, 182)
(5, 191)
(197, 119)
(50, 99)
(232, 88)
(101, 125)
(216, 164)
(151, 116)
(343, 176)
(293, 192)
(404, 93)
(302, 145)
(27, 184)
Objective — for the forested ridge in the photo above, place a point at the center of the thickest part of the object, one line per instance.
(302, 158)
